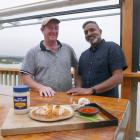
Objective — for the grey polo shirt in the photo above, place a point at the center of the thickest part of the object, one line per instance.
(51, 69)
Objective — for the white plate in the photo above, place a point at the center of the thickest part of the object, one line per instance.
(68, 113)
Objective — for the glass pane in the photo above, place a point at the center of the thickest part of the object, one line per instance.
(18, 40)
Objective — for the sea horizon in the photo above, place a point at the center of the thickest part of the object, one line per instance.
(18, 66)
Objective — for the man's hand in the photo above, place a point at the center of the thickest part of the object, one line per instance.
(80, 91)
(46, 91)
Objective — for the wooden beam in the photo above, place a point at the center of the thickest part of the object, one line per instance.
(127, 30)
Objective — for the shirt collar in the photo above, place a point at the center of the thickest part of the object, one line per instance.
(43, 48)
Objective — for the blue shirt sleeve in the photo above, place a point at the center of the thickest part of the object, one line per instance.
(116, 58)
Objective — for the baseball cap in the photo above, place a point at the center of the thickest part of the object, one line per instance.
(48, 19)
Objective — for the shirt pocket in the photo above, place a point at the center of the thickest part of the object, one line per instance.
(100, 65)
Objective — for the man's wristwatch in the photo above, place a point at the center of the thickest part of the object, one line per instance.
(93, 90)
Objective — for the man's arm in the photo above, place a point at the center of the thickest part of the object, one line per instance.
(43, 90)
(115, 79)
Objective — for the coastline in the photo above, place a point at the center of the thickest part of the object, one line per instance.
(18, 66)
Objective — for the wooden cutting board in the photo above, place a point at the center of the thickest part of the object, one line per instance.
(23, 124)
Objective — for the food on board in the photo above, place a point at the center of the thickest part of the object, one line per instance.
(50, 110)
(83, 101)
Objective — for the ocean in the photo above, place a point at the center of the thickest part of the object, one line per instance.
(18, 66)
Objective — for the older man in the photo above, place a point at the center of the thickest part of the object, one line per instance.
(46, 67)
(101, 66)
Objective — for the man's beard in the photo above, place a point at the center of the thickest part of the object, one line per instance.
(94, 42)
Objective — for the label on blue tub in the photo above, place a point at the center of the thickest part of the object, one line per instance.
(20, 102)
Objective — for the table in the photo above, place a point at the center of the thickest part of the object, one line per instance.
(118, 107)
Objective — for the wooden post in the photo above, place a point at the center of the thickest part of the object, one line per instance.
(127, 27)
(127, 40)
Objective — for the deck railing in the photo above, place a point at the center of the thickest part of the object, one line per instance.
(10, 76)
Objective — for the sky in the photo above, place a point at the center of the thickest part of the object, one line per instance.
(17, 41)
